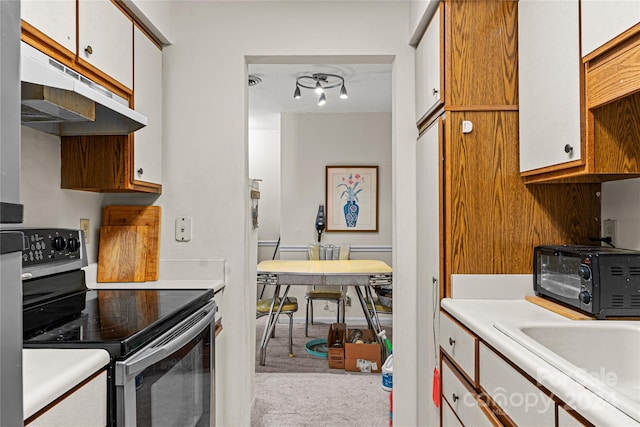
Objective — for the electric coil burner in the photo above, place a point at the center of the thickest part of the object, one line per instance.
(160, 341)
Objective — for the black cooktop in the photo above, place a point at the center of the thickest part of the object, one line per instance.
(119, 321)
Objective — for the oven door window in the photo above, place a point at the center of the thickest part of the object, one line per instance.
(176, 390)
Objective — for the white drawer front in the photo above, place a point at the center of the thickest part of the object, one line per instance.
(565, 419)
(520, 399)
(449, 419)
(462, 401)
(459, 344)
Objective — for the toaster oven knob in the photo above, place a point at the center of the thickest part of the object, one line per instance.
(585, 297)
(59, 243)
(584, 272)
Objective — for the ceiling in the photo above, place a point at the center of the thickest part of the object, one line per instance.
(368, 85)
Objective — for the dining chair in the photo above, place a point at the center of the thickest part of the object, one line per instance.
(289, 306)
(330, 294)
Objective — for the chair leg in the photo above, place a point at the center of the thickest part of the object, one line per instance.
(290, 335)
(306, 321)
(337, 311)
(311, 302)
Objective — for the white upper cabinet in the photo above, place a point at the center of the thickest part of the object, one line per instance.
(428, 79)
(602, 20)
(549, 83)
(148, 101)
(57, 19)
(104, 39)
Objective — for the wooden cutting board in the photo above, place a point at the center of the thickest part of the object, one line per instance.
(148, 216)
(122, 256)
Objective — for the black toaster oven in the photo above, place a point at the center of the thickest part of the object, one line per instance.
(600, 281)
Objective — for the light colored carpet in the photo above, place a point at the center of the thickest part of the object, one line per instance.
(319, 399)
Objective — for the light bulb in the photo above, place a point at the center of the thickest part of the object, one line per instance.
(343, 92)
(322, 100)
(296, 93)
(319, 89)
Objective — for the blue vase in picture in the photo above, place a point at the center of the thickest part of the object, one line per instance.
(351, 210)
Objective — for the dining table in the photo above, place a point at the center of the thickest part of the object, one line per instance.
(363, 275)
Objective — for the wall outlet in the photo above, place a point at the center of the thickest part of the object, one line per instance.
(183, 229)
(84, 226)
(609, 230)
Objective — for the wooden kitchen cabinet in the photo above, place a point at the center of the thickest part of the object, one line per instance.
(147, 161)
(105, 37)
(549, 84)
(126, 163)
(490, 220)
(579, 117)
(602, 21)
(429, 54)
(55, 19)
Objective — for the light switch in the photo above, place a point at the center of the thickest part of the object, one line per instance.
(183, 229)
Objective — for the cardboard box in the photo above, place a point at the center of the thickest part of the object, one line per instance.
(335, 354)
(363, 357)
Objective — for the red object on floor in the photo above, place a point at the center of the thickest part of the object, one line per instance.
(391, 409)
(435, 395)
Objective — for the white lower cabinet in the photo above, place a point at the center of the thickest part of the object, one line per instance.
(482, 388)
(85, 406)
(565, 419)
(462, 399)
(449, 418)
(518, 397)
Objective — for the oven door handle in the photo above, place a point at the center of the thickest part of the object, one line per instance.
(177, 338)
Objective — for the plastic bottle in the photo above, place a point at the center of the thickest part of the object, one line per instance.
(387, 374)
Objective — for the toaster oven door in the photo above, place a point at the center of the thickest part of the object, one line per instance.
(557, 276)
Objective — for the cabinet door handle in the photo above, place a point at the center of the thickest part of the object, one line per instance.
(88, 50)
(568, 148)
(455, 397)
(451, 341)
(140, 171)
(434, 92)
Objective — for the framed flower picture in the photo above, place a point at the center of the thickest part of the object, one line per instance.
(351, 198)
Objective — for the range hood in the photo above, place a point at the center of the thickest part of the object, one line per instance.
(58, 100)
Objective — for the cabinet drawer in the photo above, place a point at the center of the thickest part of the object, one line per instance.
(463, 401)
(516, 396)
(449, 418)
(566, 419)
(460, 345)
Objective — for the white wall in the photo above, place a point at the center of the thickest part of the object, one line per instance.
(45, 203)
(206, 169)
(312, 141)
(621, 201)
(264, 163)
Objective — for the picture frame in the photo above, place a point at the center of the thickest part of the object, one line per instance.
(351, 198)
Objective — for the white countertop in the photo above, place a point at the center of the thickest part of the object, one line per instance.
(49, 373)
(480, 315)
(216, 285)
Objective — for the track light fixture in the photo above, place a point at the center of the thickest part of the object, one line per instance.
(320, 82)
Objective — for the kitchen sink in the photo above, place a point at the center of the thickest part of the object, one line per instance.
(603, 356)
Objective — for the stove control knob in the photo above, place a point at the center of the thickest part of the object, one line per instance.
(59, 243)
(73, 244)
(585, 272)
(585, 297)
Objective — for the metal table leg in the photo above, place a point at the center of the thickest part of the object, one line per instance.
(363, 304)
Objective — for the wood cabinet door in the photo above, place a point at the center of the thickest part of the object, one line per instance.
(604, 20)
(428, 65)
(106, 32)
(549, 83)
(56, 19)
(148, 101)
